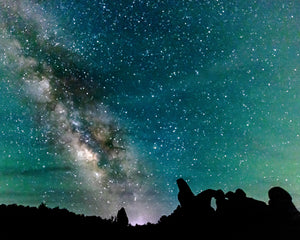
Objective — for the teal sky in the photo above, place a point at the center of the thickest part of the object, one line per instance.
(105, 104)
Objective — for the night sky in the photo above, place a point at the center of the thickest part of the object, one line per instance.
(104, 104)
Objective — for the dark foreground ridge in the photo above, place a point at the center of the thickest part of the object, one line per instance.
(236, 216)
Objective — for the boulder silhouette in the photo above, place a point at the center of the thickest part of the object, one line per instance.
(282, 206)
(185, 194)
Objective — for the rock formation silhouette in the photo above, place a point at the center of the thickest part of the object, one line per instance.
(282, 208)
(122, 218)
(237, 216)
(236, 213)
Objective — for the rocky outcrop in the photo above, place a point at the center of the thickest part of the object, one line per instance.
(282, 206)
